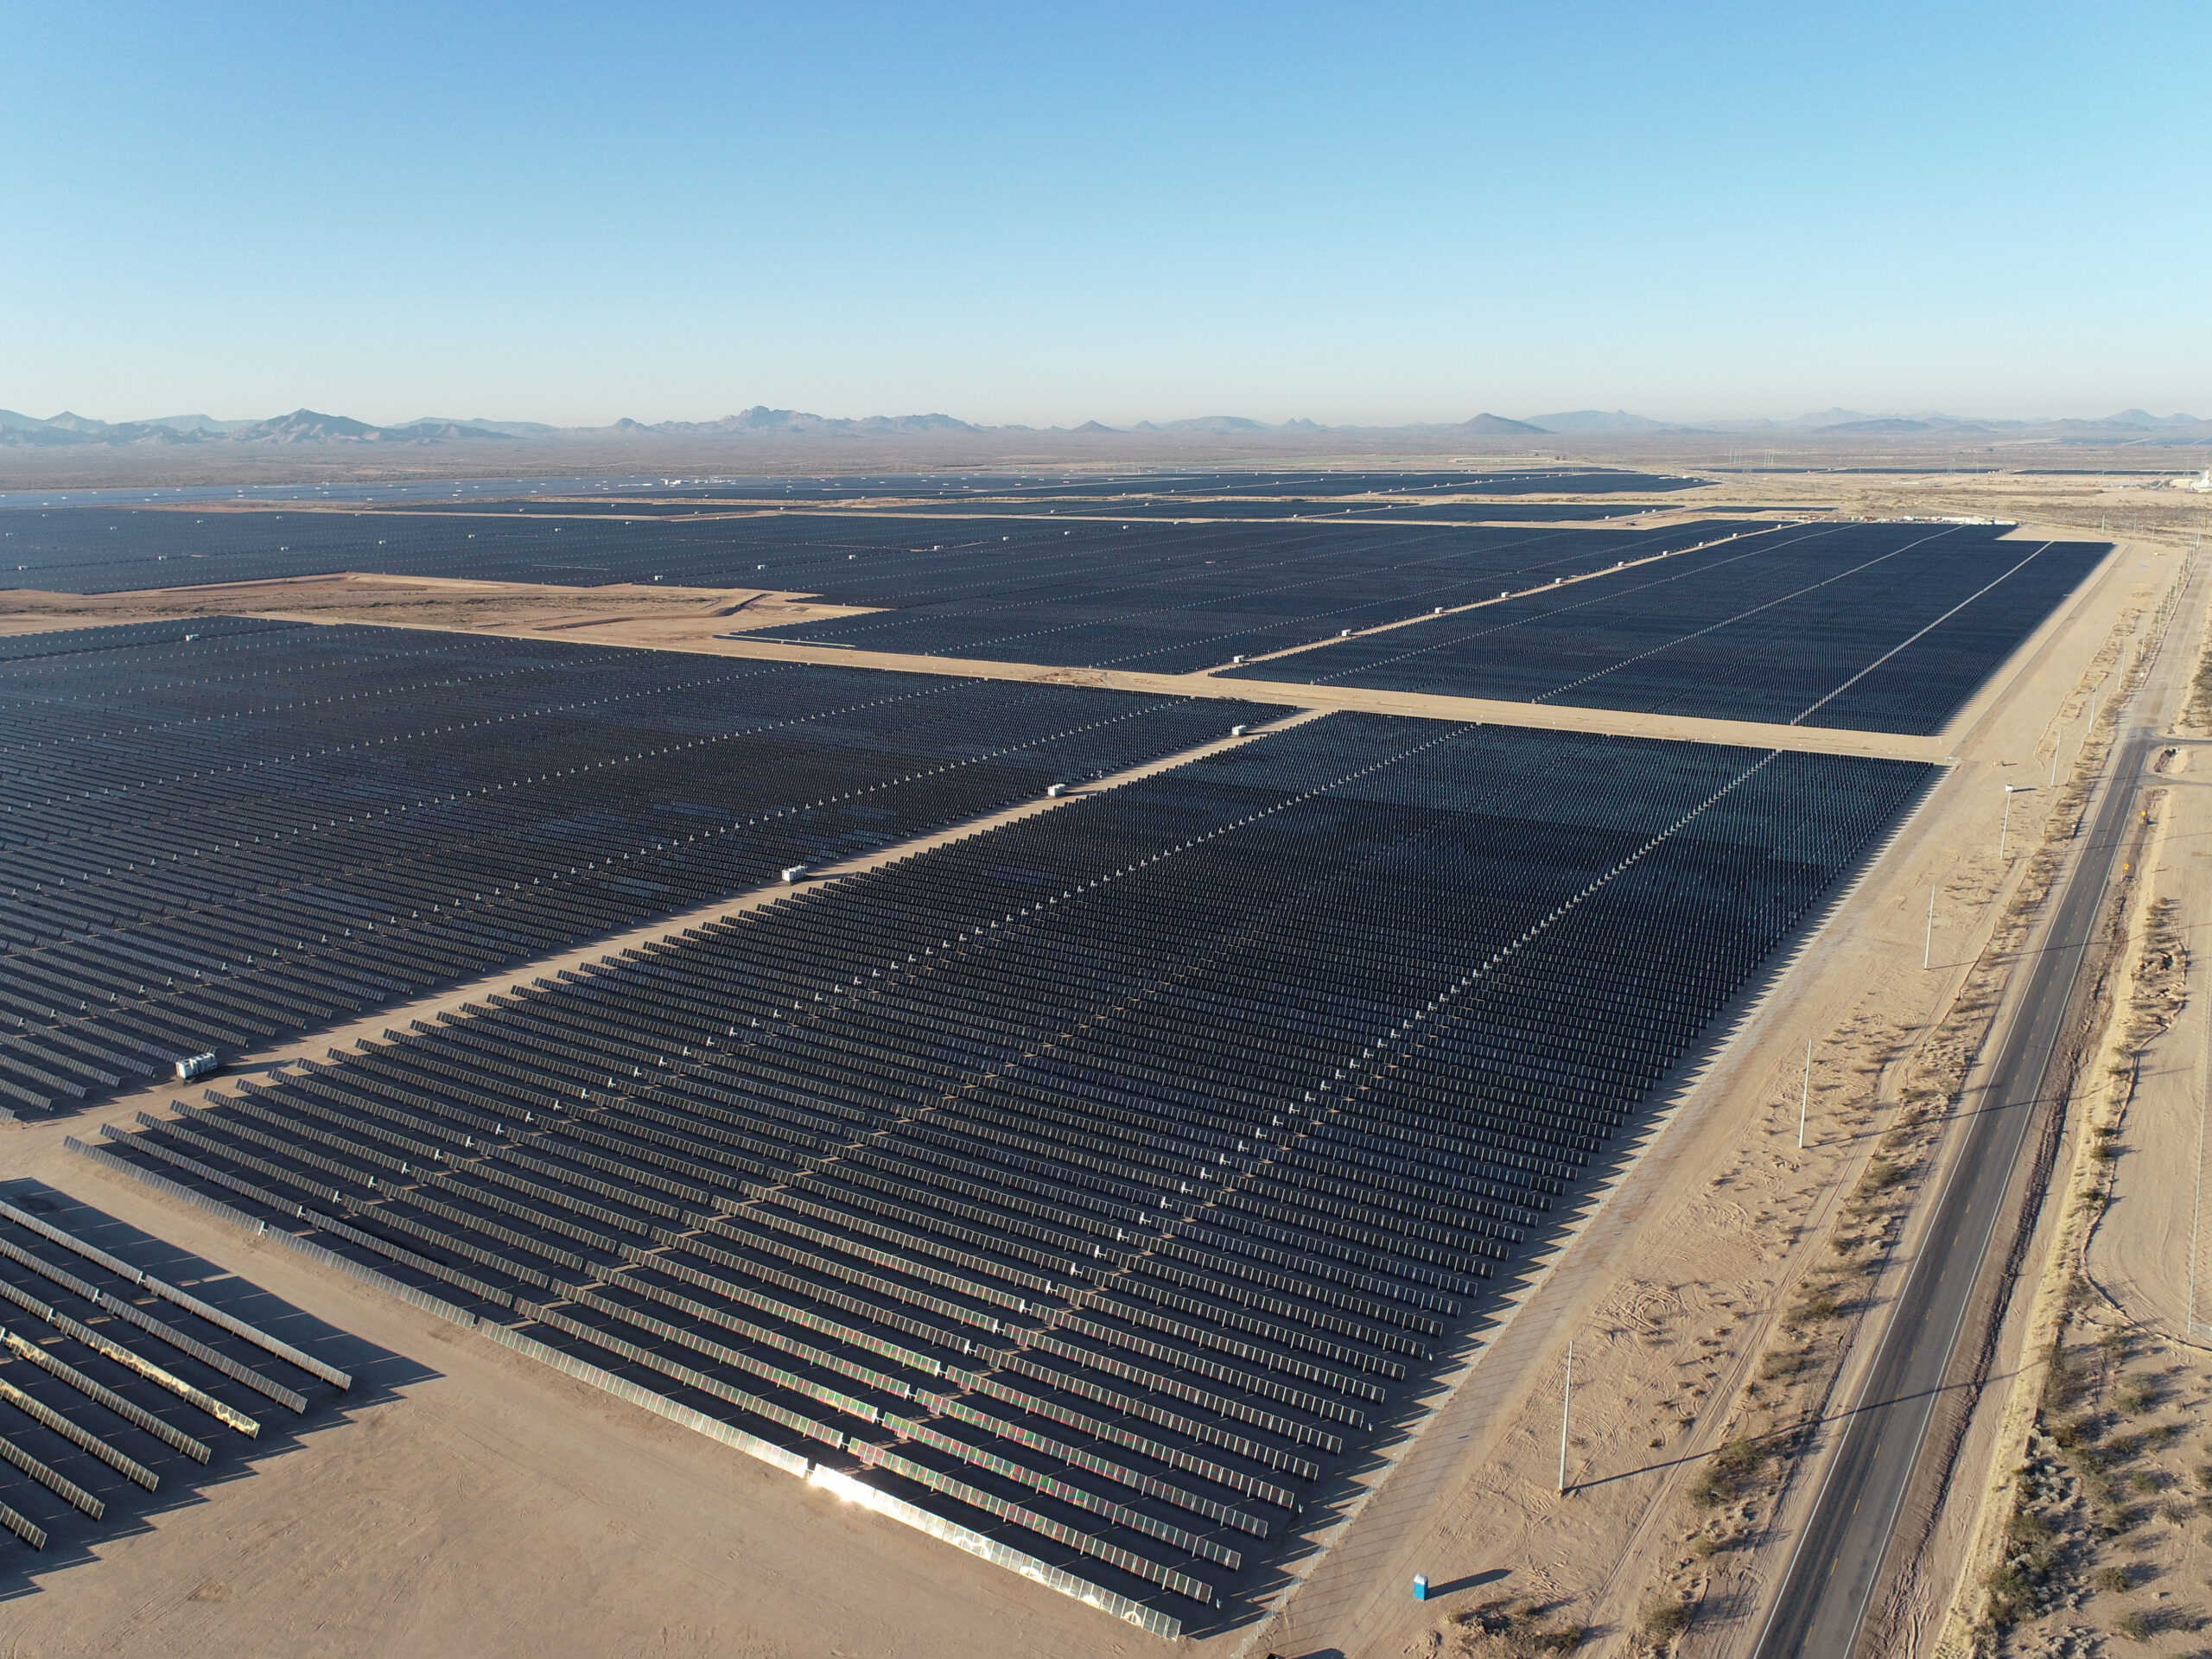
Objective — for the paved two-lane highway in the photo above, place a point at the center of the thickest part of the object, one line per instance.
(1834, 1575)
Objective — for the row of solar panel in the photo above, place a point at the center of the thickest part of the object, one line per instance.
(128, 1386)
(1110, 1177)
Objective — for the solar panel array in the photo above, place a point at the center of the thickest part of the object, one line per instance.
(118, 1390)
(1179, 508)
(1105, 1182)
(1332, 512)
(865, 558)
(1871, 626)
(1512, 480)
(216, 832)
(1196, 596)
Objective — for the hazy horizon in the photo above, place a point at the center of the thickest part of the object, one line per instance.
(1779, 416)
(1014, 216)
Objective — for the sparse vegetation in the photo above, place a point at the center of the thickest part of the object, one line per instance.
(1727, 1474)
(2079, 1495)
(1509, 1629)
(2135, 1396)
(1666, 1620)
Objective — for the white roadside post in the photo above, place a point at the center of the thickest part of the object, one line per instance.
(1566, 1405)
(1805, 1094)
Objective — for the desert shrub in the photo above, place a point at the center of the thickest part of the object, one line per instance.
(2010, 1593)
(2115, 1520)
(1818, 1305)
(2136, 1394)
(1512, 1630)
(1881, 1175)
(1665, 1620)
(1731, 1470)
(2028, 1535)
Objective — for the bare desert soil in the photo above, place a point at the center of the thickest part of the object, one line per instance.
(639, 611)
(498, 1508)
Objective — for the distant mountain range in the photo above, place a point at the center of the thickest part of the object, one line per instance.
(301, 426)
(306, 426)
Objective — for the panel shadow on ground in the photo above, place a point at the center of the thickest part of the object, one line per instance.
(135, 1377)
(1106, 1186)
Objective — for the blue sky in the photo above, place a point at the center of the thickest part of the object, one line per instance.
(1050, 211)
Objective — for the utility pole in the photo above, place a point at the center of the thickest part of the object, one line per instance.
(1565, 1403)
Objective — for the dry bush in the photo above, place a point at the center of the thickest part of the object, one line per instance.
(1664, 1620)
(1506, 1629)
(2135, 1395)
(1729, 1474)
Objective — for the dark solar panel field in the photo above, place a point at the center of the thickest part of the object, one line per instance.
(105, 550)
(1501, 512)
(865, 558)
(1511, 481)
(1105, 1184)
(213, 833)
(1874, 627)
(1194, 596)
